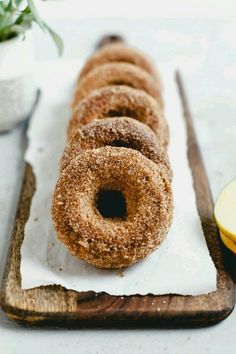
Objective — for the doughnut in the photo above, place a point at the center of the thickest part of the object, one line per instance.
(120, 52)
(120, 101)
(117, 74)
(111, 212)
(122, 131)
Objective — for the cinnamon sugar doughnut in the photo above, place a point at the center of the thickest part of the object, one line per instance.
(117, 74)
(121, 131)
(112, 206)
(120, 101)
(120, 52)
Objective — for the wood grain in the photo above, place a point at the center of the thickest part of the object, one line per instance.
(55, 305)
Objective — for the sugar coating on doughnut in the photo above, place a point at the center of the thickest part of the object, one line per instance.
(120, 101)
(112, 242)
(117, 74)
(121, 131)
(120, 52)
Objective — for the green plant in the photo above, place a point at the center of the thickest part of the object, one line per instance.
(16, 16)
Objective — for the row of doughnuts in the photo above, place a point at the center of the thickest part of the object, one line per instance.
(113, 204)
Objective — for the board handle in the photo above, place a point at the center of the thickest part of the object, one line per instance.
(109, 38)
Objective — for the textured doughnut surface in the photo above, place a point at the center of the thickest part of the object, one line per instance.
(120, 52)
(120, 101)
(121, 131)
(112, 242)
(117, 74)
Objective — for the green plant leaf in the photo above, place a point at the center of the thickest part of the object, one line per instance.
(15, 30)
(9, 6)
(6, 20)
(56, 38)
(35, 14)
(25, 16)
(14, 21)
(16, 3)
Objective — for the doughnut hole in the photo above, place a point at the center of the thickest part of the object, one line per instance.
(111, 204)
(120, 143)
(120, 83)
(122, 112)
(115, 200)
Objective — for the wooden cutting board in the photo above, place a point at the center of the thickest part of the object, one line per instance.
(55, 305)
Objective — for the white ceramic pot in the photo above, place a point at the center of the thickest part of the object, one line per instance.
(17, 87)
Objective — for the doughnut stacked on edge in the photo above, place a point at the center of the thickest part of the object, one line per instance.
(113, 204)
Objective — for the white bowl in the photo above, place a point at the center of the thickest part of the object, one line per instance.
(17, 86)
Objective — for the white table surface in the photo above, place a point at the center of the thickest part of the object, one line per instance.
(205, 51)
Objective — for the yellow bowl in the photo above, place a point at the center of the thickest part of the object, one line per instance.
(228, 242)
(225, 211)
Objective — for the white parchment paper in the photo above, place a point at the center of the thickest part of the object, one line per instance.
(182, 265)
